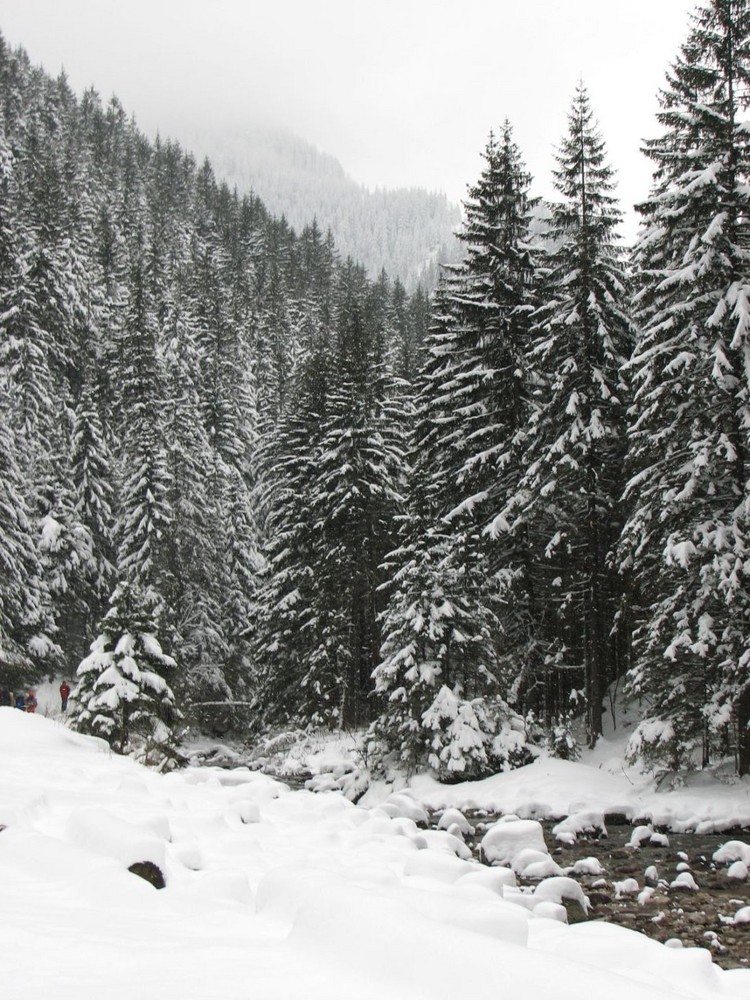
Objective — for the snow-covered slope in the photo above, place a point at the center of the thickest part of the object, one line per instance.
(272, 894)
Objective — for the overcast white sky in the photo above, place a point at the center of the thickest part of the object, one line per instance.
(403, 92)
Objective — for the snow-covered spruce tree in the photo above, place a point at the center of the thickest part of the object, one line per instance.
(193, 593)
(687, 535)
(458, 629)
(122, 692)
(356, 496)
(287, 470)
(145, 518)
(91, 467)
(25, 623)
(576, 439)
(331, 484)
(486, 394)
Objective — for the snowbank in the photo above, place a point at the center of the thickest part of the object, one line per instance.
(272, 892)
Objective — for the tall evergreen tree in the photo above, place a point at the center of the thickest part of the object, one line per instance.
(687, 534)
(571, 485)
(447, 642)
(145, 516)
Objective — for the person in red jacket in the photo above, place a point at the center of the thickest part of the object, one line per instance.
(31, 702)
(64, 695)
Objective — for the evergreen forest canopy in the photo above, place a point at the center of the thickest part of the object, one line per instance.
(243, 485)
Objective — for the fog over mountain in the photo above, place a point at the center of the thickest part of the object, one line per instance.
(407, 231)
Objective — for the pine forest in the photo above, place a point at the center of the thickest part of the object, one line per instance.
(245, 488)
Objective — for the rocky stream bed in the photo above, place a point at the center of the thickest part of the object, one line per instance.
(701, 917)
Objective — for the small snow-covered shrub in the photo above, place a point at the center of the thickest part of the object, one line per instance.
(470, 739)
(122, 692)
(656, 744)
(561, 740)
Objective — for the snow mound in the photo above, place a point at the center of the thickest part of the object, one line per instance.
(455, 818)
(586, 866)
(738, 870)
(568, 831)
(505, 840)
(435, 865)
(551, 911)
(559, 889)
(733, 850)
(103, 833)
(494, 879)
(403, 805)
(684, 881)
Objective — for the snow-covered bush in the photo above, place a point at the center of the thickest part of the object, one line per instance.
(122, 692)
(655, 743)
(561, 741)
(471, 738)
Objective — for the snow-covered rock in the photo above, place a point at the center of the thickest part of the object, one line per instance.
(403, 805)
(586, 866)
(651, 875)
(560, 888)
(455, 818)
(626, 887)
(544, 868)
(684, 880)
(733, 850)
(647, 835)
(640, 835)
(738, 870)
(506, 839)
(568, 831)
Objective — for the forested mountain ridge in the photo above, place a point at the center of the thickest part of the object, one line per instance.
(408, 232)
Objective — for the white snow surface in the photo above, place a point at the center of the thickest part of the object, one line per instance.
(274, 894)
(598, 784)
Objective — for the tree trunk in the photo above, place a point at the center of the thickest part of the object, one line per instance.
(742, 715)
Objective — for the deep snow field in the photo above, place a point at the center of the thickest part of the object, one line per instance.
(272, 893)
